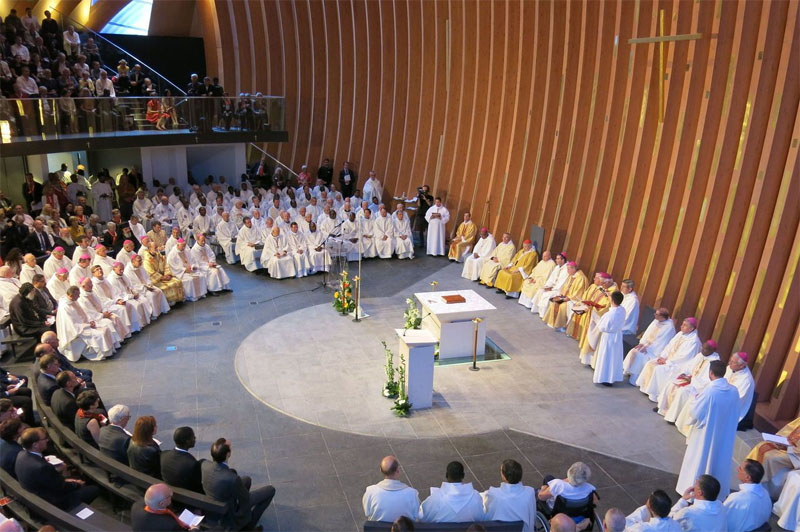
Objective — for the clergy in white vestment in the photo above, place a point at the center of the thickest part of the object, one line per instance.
(372, 188)
(484, 247)
(249, 245)
(205, 259)
(83, 248)
(631, 306)
(389, 499)
(141, 283)
(700, 508)
(537, 279)
(103, 196)
(137, 229)
(119, 306)
(331, 231)
(657, 373)
(93, 306)
(737, 375)
(298, 250)
(351, 233)
(653, 516)
(368, 235)
(164, 212)
(512, 500)
(787, 508)
(143, 207)
(318, 256)
(78, 335)
(81, 270)
(184, 219)
(172, 241)
(437, 217)
(238, 213)
(124, 255)
(57, 285)
(180, 263)
(9, 285)
(102, 259)
(455, 501)
(714, 417)
(55, 261)
(654, 339)
(226, 234)
(607, 359)
(202, 223)
(383, 228)
(403, 239)
(552, 288)
(276, 258)
(750, 507)
(122, 289)
(29, 268)
(692, 379)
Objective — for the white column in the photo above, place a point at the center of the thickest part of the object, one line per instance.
(417, 346)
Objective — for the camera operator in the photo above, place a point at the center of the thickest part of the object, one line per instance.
(424, 201)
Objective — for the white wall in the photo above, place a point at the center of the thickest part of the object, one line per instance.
(164, 162)
(229, 160)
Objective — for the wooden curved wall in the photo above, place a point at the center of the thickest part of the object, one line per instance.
(529, 112)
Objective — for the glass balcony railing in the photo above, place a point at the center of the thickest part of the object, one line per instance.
(27, 119)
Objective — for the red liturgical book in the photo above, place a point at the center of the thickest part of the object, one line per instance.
(454, 299)
(592, 304)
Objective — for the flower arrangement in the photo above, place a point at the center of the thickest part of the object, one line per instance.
(390, 388)
(411, 315)
(401, 405)
(343, 297)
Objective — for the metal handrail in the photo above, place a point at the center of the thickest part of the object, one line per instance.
(274, 159)
(118, 47)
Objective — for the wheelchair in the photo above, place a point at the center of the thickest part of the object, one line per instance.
(574, 508)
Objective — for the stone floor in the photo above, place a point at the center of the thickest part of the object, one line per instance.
(182, 369)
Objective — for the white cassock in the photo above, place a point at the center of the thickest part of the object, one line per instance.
(788, 506)
(332, 235)
(76, 337)
(630, 303)
(226, 233)
(701, 516)
(9, 288)
(383, 231)
(607, 360)
(124, 256)
(674, 398)
(202, 224)
(52, 265)
(472, 264)
(121, 289)
(165, 214)
(171, 243)
(368, 235)
(389, 499)
(138, 231)
(276, 258)
(26, 273)
(748, 508)
(403, 239)
(204, 257)
(194, 281)
(102, 205)
(640, 521)
(436, 230)
(94, 307)
(126, 310)
(89, 250)
(742, 380)
(655, 338)
(320, 259)
(511, 502)
(680, 350)
(57, 287)
(184, 222)
(541, 299)
(453, 502)
(143, 208)
(249, 255)
(106, 264)
(372, 189)
(140, 282)
(350, 231)
(298, 250)
(77, 273)
(709, 449)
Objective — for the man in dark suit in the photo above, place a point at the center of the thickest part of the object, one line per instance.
(114, 441)
(325, 172)
(24, 317)
(43, 301)
(347, 180)
(51, 339)
(15, 390)
(46, 380)
(153, 514)
(31, 191)
(178, 467)
(41, 478)
(63, 400)
(223, 484)
(10, 431)
(39, 242)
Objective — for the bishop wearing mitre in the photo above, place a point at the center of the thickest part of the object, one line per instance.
(509, 279)
(499, 259)
(575, 320)
(461, 242)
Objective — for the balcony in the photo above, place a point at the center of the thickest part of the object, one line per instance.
(39, 125)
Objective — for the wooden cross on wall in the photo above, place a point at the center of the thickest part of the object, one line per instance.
(661, 39)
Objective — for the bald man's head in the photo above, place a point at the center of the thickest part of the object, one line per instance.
(390, 467)
(49, 338)
(6, 272)
(562, 523)
(158, 496)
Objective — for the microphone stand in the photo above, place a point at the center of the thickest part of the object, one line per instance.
(406, 329)
(324, 281)
(358, 277)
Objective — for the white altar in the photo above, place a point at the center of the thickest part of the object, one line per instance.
(451, 323)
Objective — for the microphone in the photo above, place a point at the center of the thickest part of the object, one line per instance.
(405, 330)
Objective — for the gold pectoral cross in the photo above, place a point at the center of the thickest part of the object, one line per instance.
(661, 39)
